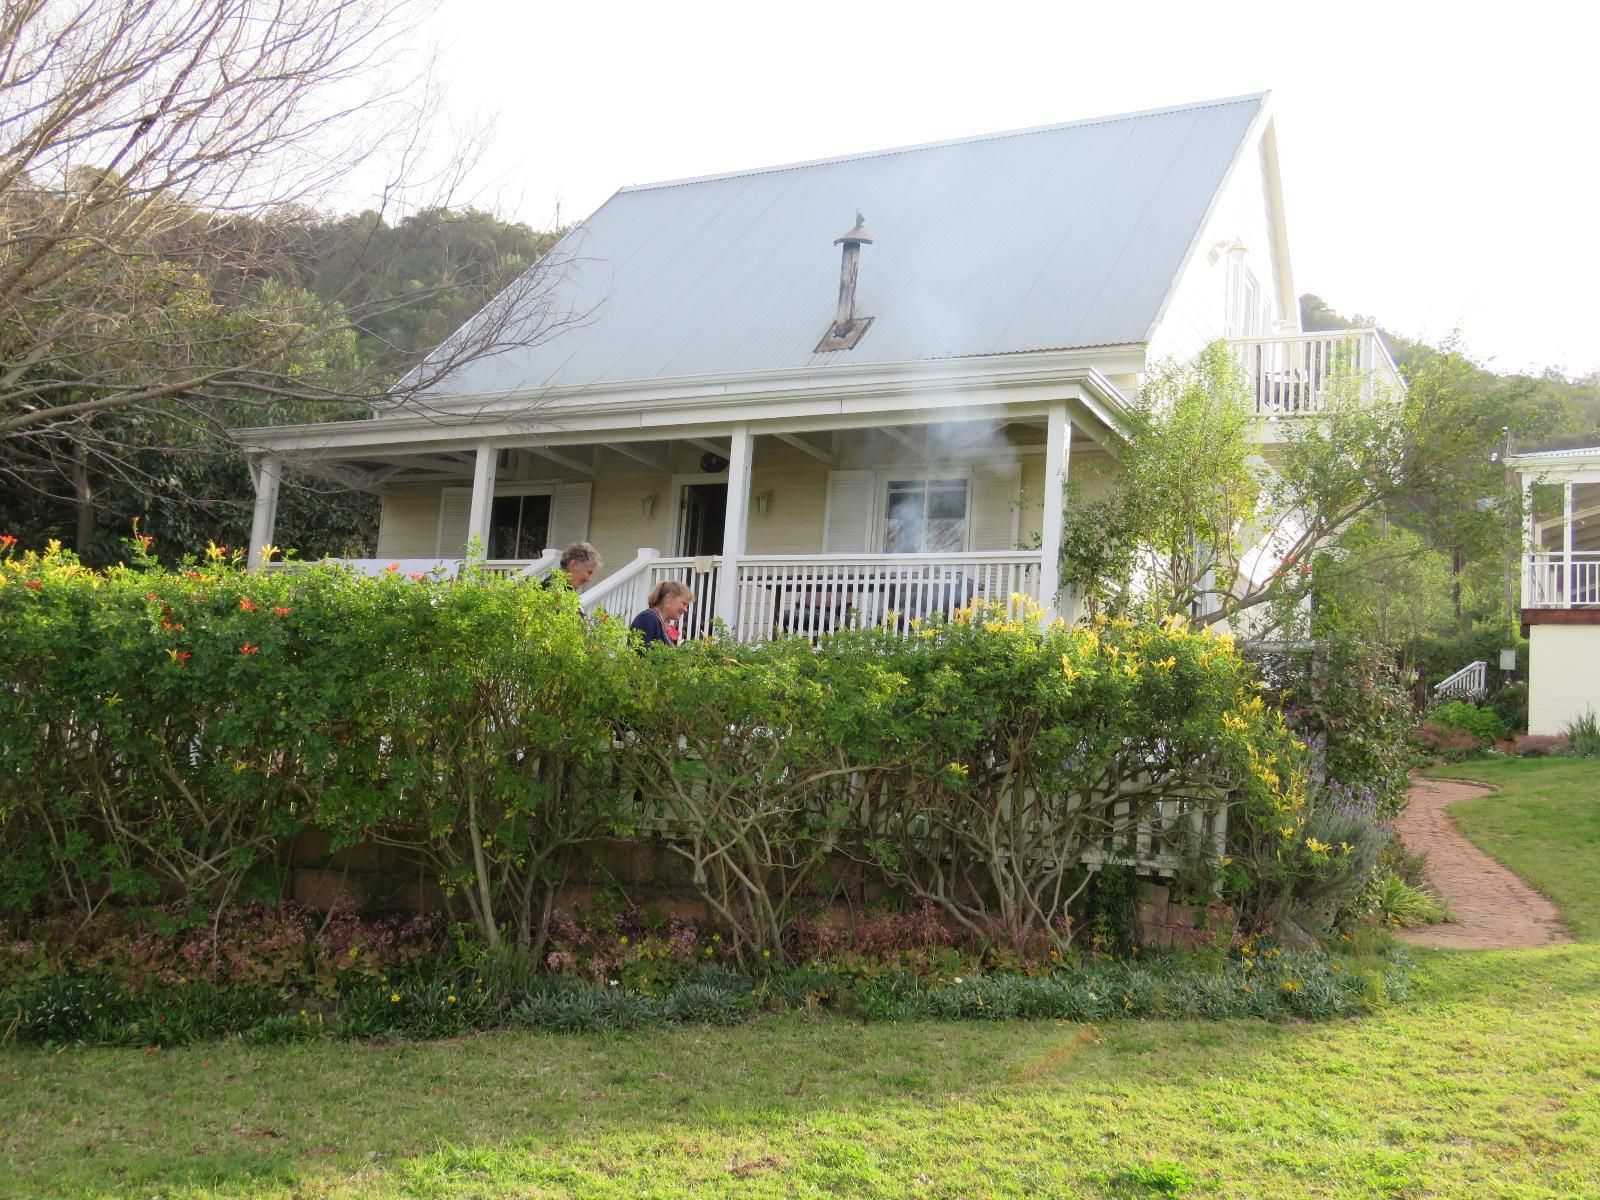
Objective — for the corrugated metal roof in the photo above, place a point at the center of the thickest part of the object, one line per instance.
(1053, 238)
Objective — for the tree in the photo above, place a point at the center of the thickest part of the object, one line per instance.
(156, 166)
(1206, 522)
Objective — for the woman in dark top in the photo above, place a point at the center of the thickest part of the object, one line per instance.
(659, 622)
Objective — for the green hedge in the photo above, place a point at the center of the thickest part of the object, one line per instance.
(164, 734)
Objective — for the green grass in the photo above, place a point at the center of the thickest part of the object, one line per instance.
(1487, 1083)
(1544, 824)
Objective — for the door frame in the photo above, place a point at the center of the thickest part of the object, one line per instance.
(679, 482)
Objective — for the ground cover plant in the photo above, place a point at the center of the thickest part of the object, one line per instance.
(1483, 1084)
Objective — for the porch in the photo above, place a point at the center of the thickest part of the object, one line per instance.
(812, 595)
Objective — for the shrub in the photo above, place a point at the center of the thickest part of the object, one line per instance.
(1510, 704)
(1484, 724)
(1396, 902)
(1448, 742)
(1540, 745)
(1010, 751)
(1583, 736)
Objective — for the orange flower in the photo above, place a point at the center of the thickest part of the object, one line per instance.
(7, 541)
(247, 648)
(281, 610)
(247, 604)
(32, 583)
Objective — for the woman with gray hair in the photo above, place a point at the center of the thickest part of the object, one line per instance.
(579, 562)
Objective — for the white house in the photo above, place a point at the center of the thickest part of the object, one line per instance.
(805, 413)
(1561, 587)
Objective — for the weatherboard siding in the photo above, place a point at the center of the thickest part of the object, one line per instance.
(1199, 308)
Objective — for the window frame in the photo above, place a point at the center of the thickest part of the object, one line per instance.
(548, 490)
(924, 475)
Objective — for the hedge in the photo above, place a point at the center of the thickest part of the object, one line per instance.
(165, 733)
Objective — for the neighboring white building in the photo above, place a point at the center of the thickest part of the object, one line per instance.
(801, 421)
(1561, 588)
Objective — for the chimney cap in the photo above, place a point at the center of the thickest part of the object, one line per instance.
(858, 234)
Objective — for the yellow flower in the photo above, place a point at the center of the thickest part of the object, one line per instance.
(1166, 664)
(394, 997)
(1316, 847)
(623, 940)
(959, 769)
(452, 999)
(1292, 985)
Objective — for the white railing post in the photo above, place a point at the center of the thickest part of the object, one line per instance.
(734, 526)
(622, 585)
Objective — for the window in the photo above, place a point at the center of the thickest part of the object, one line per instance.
(925, 516)
(519, 526)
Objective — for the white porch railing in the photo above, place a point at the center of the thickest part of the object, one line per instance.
(1289, 374)
(451, 567)
(1546, 582)
(815, 594)
(1469, 683)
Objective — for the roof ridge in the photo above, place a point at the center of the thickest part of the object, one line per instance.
(940, 145)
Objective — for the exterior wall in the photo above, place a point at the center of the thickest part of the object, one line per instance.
(1563, 675)
(1197, 312)
(408, 525)
(793, 523)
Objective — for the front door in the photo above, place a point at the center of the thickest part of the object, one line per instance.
(703, 508)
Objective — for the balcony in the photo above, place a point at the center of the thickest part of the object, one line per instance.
(1557, 580)
(1289, 375)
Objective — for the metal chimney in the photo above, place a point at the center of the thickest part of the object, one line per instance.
(847, 328)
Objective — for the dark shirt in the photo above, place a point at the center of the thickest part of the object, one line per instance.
(650, 624)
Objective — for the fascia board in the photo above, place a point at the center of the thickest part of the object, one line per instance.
(1251, 136)
(1020, 381)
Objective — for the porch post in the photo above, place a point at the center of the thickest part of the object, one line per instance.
(1566, 544)
(265, 473)
(482, 496)
(1057, 445)
(734, 527)
(1530, 565)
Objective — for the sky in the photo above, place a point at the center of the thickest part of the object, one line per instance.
(1441, 163)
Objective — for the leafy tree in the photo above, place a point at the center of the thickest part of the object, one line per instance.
(1208, 522)
(161, 266)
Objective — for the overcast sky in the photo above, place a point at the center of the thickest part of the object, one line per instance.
(1441, 163)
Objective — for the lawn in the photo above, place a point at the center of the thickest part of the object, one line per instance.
(1544, 824)
(1487, 1083)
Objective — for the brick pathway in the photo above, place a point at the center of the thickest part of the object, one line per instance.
(1494, 909)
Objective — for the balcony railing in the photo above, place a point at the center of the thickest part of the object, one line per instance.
(1547, 582)
(816, 594)
(1289, 375)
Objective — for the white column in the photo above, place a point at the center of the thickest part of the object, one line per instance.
(266, 473)
(1566, 544)
(1530, 565)
(735, 526)
(482, 497)
(1057, 447)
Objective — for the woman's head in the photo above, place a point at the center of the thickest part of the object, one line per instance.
(670, 598)
(580, 561)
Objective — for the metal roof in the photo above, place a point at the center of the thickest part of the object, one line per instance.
(1053, 238)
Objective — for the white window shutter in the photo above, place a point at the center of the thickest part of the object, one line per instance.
(455, 517)
(569, 514)
(993, 518)
(847, 526)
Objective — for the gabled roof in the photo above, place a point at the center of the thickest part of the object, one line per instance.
(1044, 239)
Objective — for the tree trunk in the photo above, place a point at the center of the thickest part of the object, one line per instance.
(82, 498)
